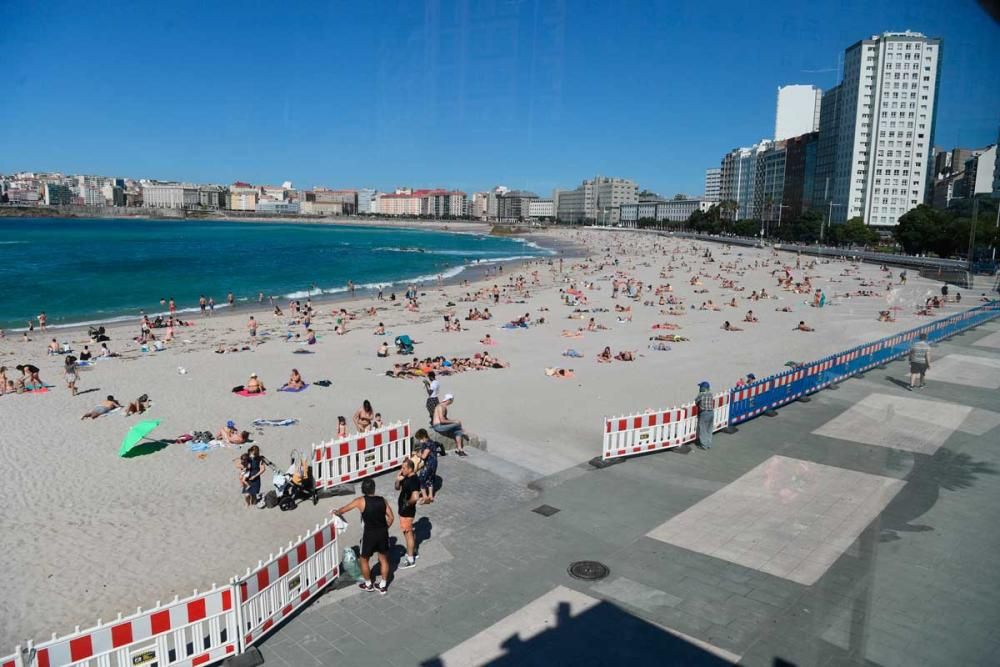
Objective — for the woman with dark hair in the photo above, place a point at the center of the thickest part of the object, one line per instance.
(251, 475)
(364, 416)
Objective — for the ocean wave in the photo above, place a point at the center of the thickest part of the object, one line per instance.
(13, 242)
(459, 253)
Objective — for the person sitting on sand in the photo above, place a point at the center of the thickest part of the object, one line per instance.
(231, 435)
(802, 326)
(364, 416)
(295, 381)
(625, 355)
(750, 317)
(53, 348)
(383, 350)
(310, 337)
(885, 316)
(254, 385)
(138, 406)
(559, 372)
(380, 329)
(729, 327)
(106, 352)
(605, 356)
(106, 406)
(487, 340)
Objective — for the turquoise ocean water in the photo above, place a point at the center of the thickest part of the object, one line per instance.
(85, 270)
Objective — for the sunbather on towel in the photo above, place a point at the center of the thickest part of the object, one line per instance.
(106, 406)
(295, 381)
(231, 435)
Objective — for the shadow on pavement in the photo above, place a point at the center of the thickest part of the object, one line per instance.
(603, 635)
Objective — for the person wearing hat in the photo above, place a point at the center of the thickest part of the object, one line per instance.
(449, 427)
(254, 386)
(706, 414)
(231, 435)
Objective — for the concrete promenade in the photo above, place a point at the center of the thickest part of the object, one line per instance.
(858, 528)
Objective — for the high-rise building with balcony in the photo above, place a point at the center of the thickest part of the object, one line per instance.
(797, 112)
(877, 129)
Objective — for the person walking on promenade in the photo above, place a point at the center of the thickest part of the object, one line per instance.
(376, 515)
(920, 362)
(408, 485)
(706, 414)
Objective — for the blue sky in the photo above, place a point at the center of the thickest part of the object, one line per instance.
(525, 93)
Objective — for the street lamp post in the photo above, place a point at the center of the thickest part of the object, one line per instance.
(829, 218)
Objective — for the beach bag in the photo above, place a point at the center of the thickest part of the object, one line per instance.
(270, 499)
(349, 564)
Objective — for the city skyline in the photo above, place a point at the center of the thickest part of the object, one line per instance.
(537, 103)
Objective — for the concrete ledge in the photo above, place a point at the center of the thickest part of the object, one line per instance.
(449, 443)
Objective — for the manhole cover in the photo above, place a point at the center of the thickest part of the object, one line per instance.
(589, 570)
(545, 510)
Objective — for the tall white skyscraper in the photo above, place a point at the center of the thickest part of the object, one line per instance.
(798, 111)
(882, 118)
(713, 183)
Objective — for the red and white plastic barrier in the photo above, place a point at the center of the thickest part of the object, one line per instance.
(197, 630)
(361, 455)
(278, 587)
(656, 430)
(204, 628)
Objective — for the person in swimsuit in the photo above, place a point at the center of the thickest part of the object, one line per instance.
(138, 406)
(71, 374)
(252, 327)
(376, 516)
(341, 427)
(295, 381)
(104, 408)
(364, 416)
(255, 386)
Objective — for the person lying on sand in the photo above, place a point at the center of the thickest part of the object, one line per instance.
(726, 326)
(559, 372)
(231, 435)
(802, 326)
(670, 338)
(295, 381)
(138, 406)
(571, 334)
(106, 406)
(625, 355)
(254, 386)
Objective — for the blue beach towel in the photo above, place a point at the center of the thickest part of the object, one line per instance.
(295, 391)
(275, 422)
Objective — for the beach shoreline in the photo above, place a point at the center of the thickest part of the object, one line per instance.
(552, 243)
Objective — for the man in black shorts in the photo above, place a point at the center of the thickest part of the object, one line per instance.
(408, 485)
(376, 516)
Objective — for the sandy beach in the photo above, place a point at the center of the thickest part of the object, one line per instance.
(89, 534)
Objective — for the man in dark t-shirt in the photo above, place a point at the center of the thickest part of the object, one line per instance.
(408, 485)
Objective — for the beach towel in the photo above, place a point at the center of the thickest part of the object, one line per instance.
(244, 392)
(572, 353)
(294, 391)
(275, 422)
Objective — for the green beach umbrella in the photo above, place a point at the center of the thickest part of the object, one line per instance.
(136, 435)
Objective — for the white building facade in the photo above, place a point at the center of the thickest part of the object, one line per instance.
(884, 126)
(167, 195)
(797, 112)
(713, 183)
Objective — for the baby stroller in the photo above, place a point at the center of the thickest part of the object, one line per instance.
(404, 344)
(293, 485)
